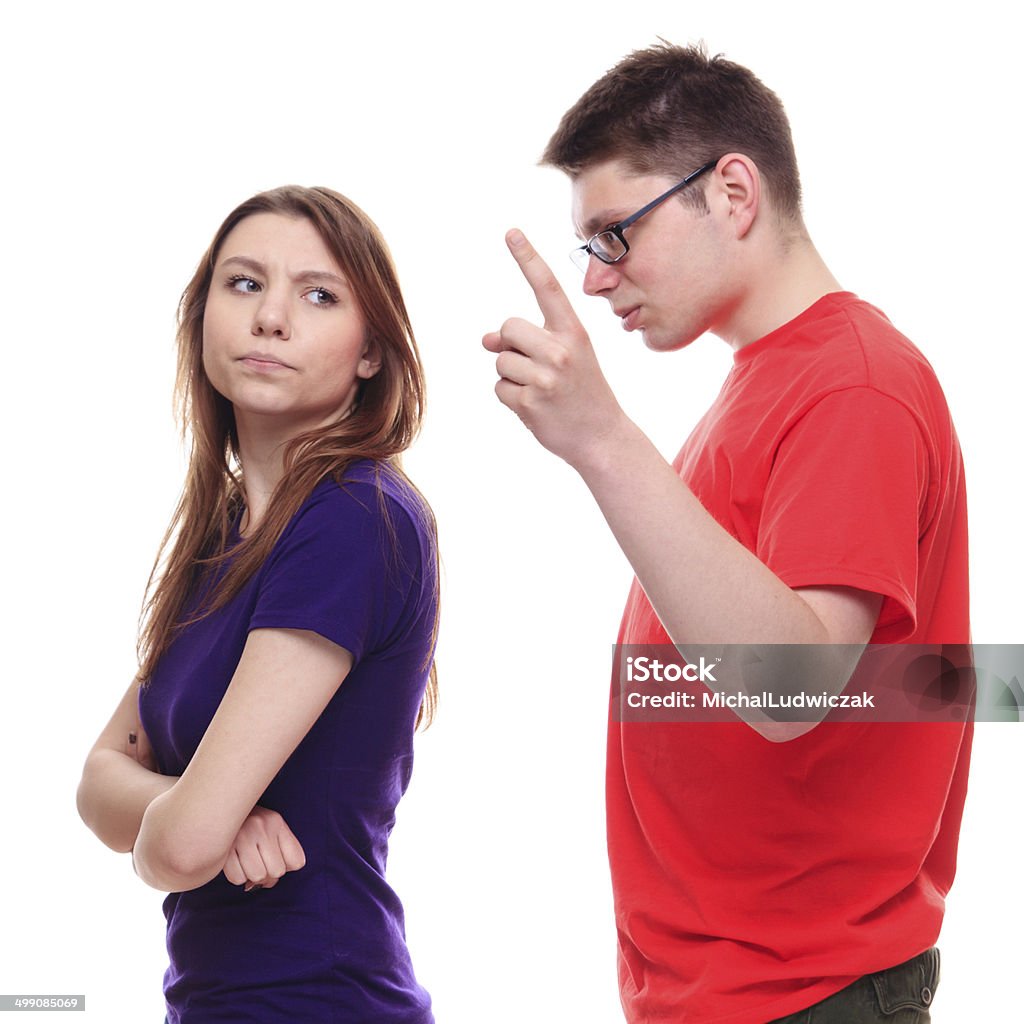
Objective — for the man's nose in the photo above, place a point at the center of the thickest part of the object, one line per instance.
(599, 276)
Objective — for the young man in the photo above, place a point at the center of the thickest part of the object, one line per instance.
(758, 870)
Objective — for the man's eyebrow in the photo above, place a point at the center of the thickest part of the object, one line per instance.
(303, 275)
(600, 221)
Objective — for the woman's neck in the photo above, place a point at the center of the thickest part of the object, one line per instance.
(261, 450)
(262, 442)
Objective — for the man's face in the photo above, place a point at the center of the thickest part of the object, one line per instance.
(671, 284)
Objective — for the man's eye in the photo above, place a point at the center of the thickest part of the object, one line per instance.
(241, 283)
(321, 297)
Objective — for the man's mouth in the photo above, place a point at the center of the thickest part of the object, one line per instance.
(629, 316)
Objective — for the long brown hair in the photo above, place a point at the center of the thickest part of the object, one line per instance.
(385, 420)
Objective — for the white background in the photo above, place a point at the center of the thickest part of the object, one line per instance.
(130, 131)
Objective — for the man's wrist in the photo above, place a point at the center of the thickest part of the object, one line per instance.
(603, 455)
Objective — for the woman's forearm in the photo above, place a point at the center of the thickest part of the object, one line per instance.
(166, 856)
(113, 796)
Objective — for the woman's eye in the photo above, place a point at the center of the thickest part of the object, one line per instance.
(241, 283)
(321, 297)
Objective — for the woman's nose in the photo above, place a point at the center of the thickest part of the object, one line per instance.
(271, 318)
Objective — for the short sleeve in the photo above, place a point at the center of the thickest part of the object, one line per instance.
(335, 570)
(842, 505)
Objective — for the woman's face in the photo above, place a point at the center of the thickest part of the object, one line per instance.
(283, 334)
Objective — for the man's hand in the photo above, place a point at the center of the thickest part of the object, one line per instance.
(550, 377)
(264, 850)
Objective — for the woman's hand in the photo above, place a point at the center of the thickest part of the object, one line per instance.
(209, 822)
(264, 850)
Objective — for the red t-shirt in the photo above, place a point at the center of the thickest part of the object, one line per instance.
(753, 878)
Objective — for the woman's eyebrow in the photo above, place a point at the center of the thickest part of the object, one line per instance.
(303, 275)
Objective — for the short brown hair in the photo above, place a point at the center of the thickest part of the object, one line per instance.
(669, 109)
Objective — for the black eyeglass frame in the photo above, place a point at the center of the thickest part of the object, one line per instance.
(580, 255)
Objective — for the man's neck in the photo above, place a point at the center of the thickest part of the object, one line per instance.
(784, 281)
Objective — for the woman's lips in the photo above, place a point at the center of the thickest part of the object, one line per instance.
(259, 361)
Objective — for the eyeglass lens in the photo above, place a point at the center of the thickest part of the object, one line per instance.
(605, 245)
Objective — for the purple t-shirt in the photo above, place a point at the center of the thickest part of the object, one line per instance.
(327, 943)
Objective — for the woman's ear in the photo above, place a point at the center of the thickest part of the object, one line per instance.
(369, 363)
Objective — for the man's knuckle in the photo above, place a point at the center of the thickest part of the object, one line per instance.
(549, 283)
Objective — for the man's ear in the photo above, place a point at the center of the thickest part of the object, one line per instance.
(741, 182)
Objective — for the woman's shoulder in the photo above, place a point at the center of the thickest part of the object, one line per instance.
(367, 492)
(366, 484)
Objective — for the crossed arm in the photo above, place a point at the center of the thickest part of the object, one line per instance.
(184, 831)
(549, 376)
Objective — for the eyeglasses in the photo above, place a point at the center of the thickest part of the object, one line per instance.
(610, 245)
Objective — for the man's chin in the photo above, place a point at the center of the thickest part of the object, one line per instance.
(664, 341)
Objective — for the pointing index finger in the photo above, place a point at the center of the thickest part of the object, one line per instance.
(552, 300)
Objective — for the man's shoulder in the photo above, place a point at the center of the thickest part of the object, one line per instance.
(843, 342)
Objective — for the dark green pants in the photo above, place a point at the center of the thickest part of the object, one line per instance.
(899, 995)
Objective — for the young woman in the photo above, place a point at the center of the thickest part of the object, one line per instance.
(254, 766)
